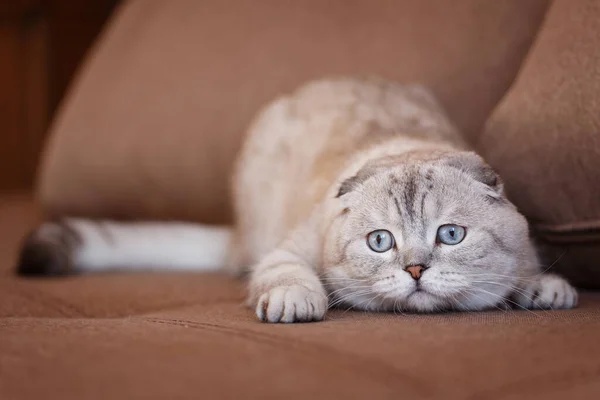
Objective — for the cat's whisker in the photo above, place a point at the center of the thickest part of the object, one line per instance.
(522, 278)
(511, 288)
(527, 295)
(347, 296)
(502, 300)
(395, 305)
(399, 308)
(354, 305)
(554, 263)
(342, 278)
(373, 298)
(352, 287)
(349, 287)
(335, 280)
(471, 292)
(494, 275)
(481, 298)
(464, 308)
(506, 300)
(545, 268)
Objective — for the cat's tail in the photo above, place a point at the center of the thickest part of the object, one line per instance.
(81, 245)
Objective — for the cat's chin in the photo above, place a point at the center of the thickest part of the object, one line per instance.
(423, 301)
(418, 301)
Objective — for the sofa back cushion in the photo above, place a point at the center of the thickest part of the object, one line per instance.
(544, 140)
(153, 122)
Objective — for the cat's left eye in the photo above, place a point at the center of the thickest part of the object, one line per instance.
(450, 234)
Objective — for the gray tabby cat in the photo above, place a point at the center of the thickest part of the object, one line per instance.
(353, 192)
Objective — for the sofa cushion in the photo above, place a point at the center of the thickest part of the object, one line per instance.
(219, 351)
(544, 139)
(186, 336)
(155, 118)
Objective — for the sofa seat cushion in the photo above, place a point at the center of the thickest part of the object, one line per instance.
(190, 336)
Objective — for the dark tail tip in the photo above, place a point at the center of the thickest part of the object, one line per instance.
(43, 257)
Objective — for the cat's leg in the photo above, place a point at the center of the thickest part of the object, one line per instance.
(284, 288)
(546, 291)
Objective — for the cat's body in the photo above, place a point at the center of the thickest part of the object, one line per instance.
(357, 189)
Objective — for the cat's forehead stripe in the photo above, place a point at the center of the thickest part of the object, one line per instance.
(409, 192)
(423, 197)
(397, 205)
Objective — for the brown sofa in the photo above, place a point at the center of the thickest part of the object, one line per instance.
(151, 126)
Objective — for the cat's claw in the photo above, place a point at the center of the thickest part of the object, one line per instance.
(548, 291)
(288, 304)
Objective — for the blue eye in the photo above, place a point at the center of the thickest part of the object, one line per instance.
(380, 241)
(450, 234)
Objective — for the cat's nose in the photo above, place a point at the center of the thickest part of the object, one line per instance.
(415, 271)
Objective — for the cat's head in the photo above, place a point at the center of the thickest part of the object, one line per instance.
(426, 231)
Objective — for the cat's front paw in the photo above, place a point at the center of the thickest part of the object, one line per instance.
(548, 291)
(295, 303)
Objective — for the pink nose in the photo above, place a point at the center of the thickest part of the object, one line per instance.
(415, 271)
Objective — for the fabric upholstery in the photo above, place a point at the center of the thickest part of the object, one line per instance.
(544, 139)
(189, 336)
(150, 130)
(155, 119)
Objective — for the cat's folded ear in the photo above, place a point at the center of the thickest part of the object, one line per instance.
(348, 185)
(473, 165)
(368, 170)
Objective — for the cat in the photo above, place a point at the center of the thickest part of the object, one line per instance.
(357, 192)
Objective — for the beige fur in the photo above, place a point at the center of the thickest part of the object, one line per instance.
(320, 170)
(291, 227)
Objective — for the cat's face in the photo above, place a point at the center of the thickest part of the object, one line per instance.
(426, 235)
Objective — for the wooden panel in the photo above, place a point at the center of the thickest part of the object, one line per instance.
(35, 101)
(41, 44)
(75, 24)
(11, 97)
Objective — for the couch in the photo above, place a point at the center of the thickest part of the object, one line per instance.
(150, 128)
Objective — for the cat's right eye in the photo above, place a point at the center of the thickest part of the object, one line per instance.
(380, 241)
